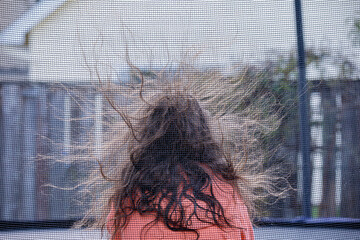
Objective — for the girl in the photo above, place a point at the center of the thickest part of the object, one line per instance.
(171, 175)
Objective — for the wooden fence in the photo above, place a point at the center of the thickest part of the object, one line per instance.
(31, 114)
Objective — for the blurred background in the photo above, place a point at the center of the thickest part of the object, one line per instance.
(48, 47)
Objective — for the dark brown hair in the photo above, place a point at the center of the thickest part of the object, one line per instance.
(169, 150)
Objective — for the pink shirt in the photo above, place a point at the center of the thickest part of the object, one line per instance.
(234, 209)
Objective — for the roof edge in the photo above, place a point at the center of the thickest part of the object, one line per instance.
(15, 33)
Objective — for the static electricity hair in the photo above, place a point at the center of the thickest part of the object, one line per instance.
(167, 135)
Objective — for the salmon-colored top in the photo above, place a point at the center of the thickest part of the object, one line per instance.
(234, 209)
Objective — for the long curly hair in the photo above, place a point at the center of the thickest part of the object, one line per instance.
(166, 140)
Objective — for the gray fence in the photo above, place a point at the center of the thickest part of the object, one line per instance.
(35, 122)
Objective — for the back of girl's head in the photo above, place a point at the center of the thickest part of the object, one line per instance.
(172, 129)
(171, 135)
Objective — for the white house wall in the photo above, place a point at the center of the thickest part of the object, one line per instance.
(84, 35)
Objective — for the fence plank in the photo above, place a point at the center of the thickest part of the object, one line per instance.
(42, 149)
(11, 178)
(328, 100)
(28, 163)
(350, 165)
(58, 200)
